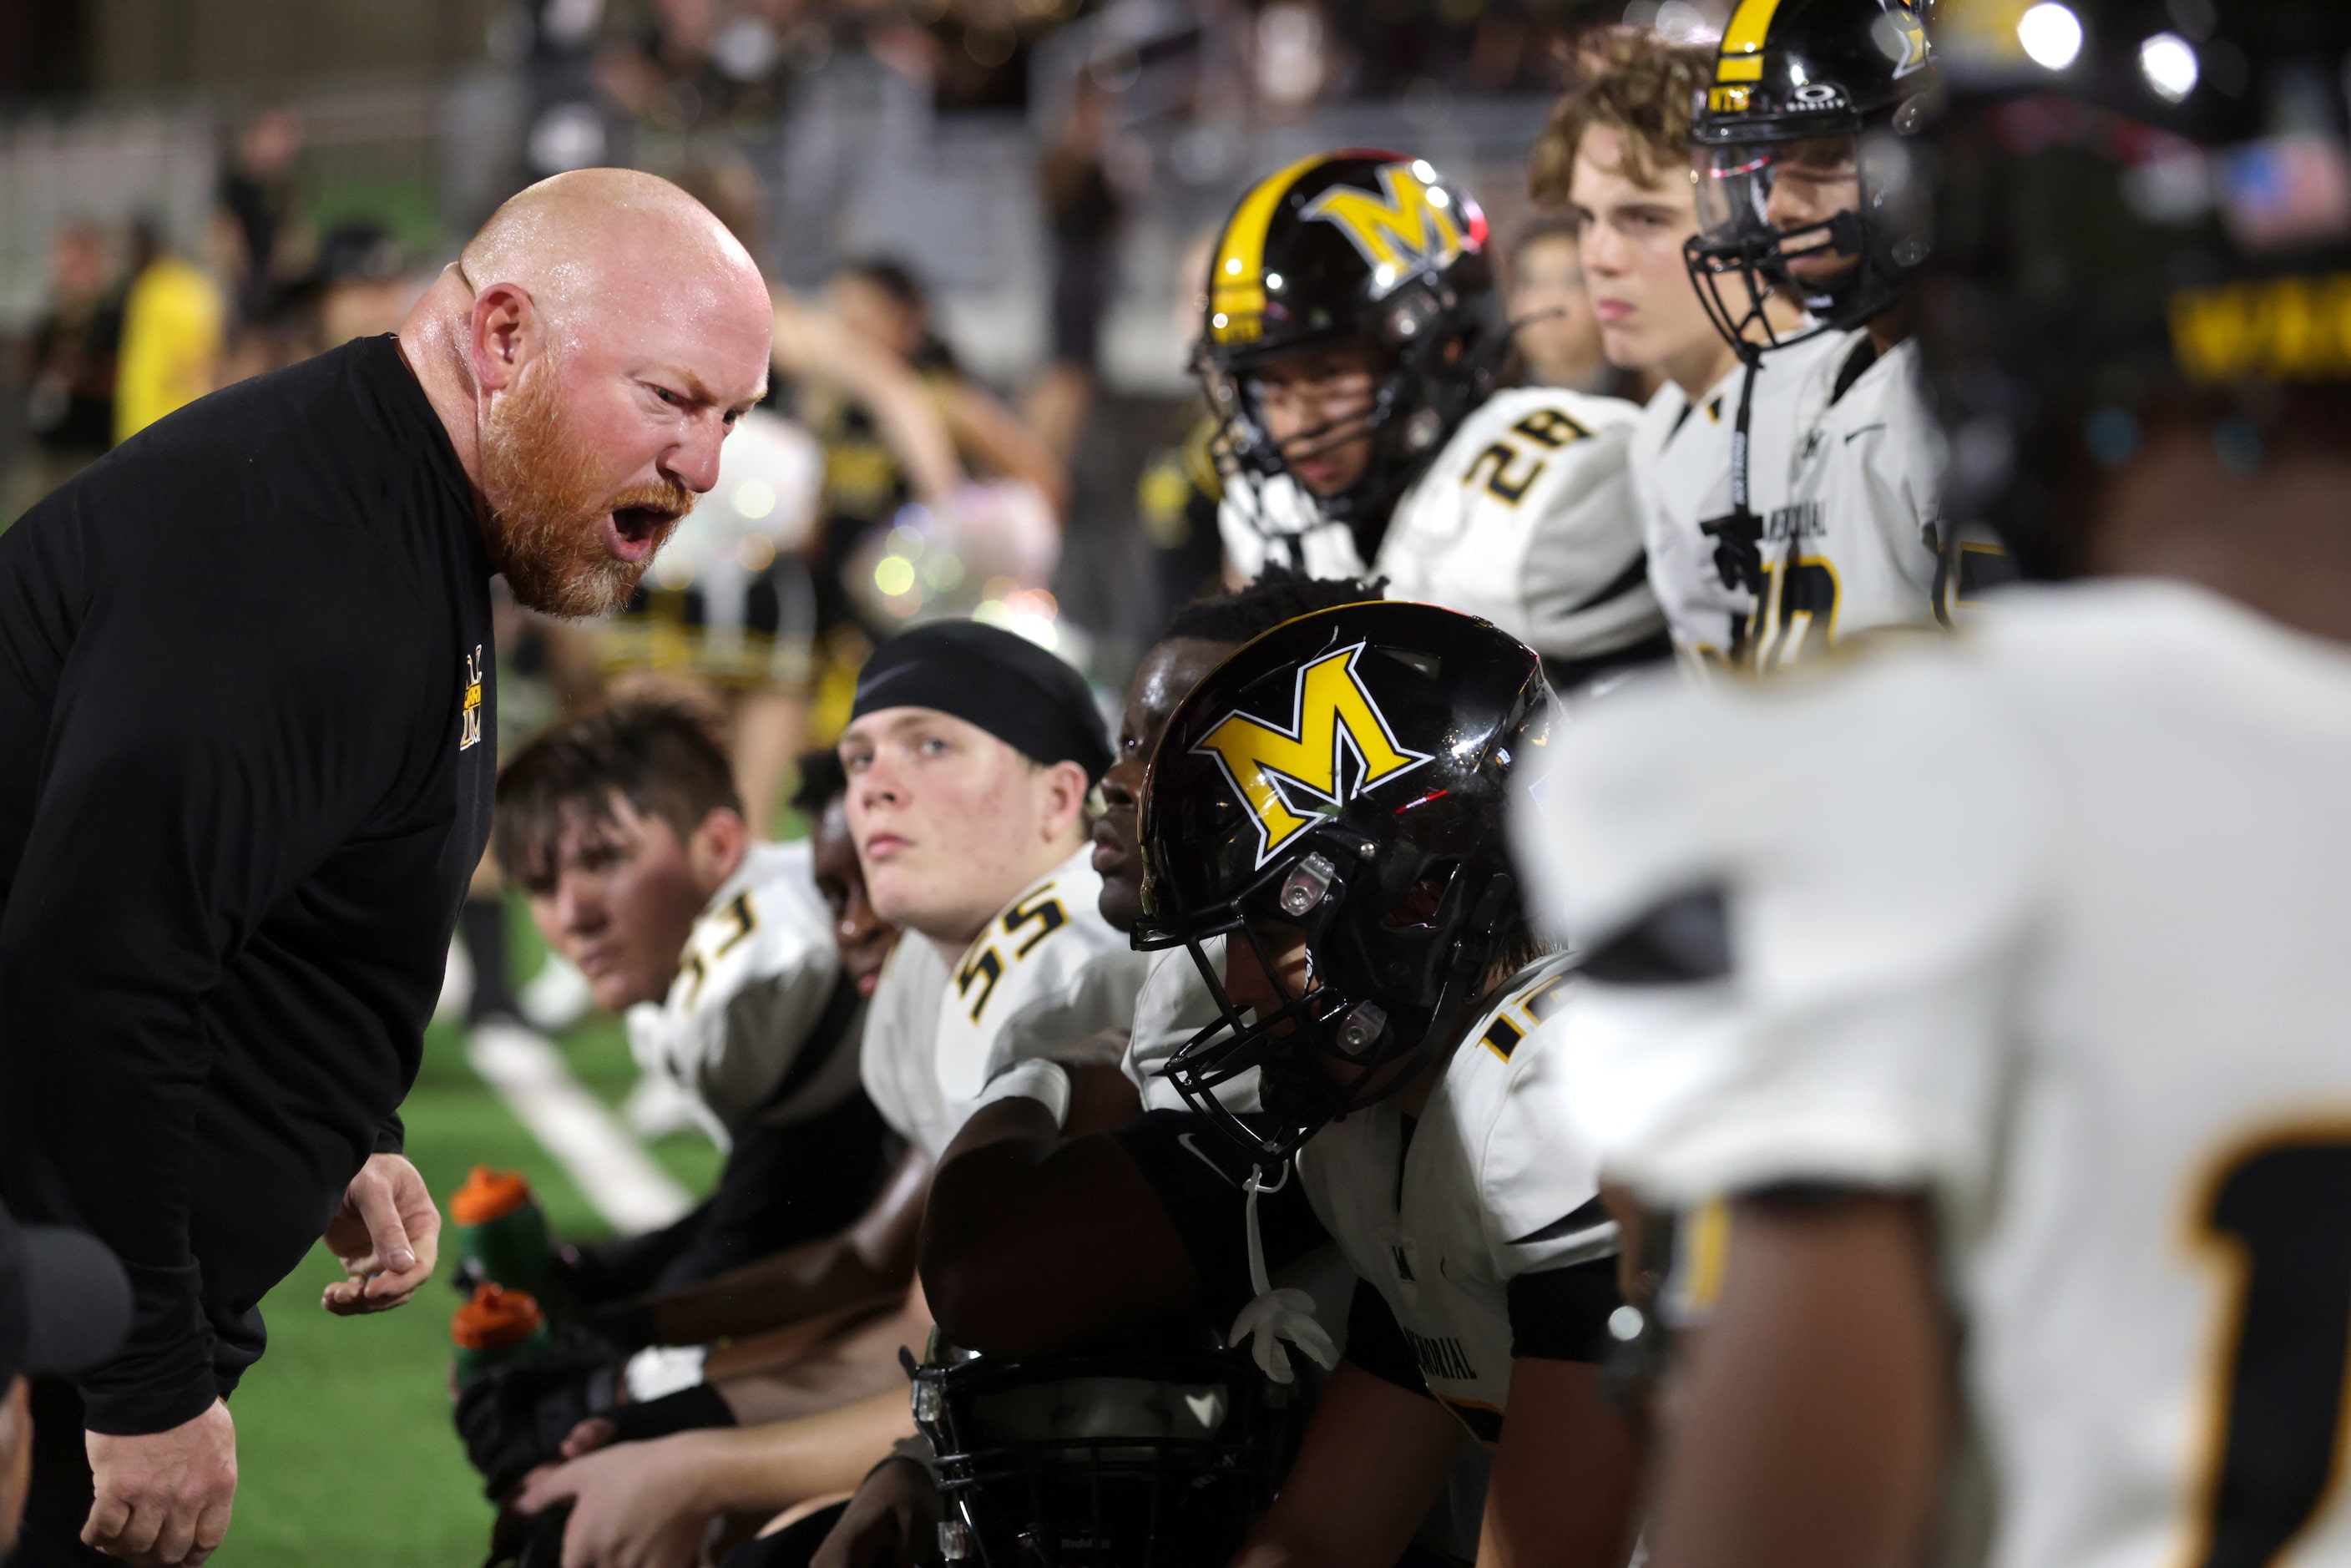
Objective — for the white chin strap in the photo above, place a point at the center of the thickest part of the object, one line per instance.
(1271, 1315)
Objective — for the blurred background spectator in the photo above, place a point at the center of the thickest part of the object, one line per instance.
(262, 206)
(69, 364)
(174, 325)
(1555, 337)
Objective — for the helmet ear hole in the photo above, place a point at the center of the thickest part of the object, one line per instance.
(1422, 901)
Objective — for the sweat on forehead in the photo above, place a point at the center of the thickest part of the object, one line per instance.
(573, 237)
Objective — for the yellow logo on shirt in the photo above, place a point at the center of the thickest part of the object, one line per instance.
(1330, 711)
(469, 712)
(1406, 230)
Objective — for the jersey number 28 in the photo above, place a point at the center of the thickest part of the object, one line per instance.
(1549, 429)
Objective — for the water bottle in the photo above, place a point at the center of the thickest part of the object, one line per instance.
(501, 1232)
(497, 1325)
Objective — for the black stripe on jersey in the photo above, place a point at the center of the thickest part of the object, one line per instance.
(1562, 1315)
(825, 1037)
(1585, 1216)
(1545, 999)
(1502, 1038)
(1635, 575)
(1683, 941)
(1982, 569)
(1484, 1424)
(1856, 365)
(1377, 1343)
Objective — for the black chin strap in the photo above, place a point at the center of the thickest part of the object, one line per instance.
(1739, 536)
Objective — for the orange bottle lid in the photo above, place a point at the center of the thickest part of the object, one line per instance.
(494, 1319)
(488, 1194)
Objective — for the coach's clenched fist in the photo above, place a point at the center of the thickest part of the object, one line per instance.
(163, 1499)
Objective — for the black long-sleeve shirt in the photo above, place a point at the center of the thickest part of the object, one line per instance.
(248, 753)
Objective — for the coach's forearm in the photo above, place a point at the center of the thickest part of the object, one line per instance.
(747, 1469)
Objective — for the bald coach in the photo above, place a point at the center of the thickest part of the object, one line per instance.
(246, 759)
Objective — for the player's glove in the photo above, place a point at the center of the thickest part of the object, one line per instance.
(513, 1417)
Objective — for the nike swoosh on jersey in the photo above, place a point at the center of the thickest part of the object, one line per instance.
(1185, 1140)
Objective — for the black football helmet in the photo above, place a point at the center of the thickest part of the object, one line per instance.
(2143, 222)
(1344, 774)
(1364, 246)
(1154, 1455)
(1804, 164)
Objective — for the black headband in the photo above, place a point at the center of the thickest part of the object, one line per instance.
(987, 676)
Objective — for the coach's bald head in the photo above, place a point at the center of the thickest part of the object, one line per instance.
(587, 353)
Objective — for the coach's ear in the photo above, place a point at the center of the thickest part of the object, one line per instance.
(717, 847)
(508, 332)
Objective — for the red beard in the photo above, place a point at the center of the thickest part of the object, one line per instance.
(548, 509)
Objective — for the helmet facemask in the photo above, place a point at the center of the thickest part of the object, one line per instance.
(1389, 975)
(1434, 358)
(1845, 239)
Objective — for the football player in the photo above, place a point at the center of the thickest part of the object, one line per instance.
(1488, 1265)
(1040, 1242)
(624, 830)
(1615, 154)
(970, 753)
(1351, 344)
(2041, 1113)
(1804, 143)
(617, 825)
(1330, 805)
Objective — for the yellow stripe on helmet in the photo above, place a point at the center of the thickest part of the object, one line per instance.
(1741, 58)
(1236, 288)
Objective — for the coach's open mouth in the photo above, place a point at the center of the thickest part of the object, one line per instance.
(637, 531)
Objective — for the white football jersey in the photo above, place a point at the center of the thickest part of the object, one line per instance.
(1494, 1183)
(2050, 928)
(1525, 518)
(1175, 1006)
(755, 980)
(1046, 977)
(1681, 462)
(1856, 545)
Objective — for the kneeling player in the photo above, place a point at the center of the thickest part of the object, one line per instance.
(624, 830)
(1498, 1259)
(1331, 804)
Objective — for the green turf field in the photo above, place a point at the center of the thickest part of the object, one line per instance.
(344, 1441)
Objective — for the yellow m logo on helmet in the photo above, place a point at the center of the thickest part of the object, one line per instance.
(1330, 710)
(1410, 226)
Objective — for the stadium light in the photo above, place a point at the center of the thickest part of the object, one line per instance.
(2168, 63)
(2051, 34)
